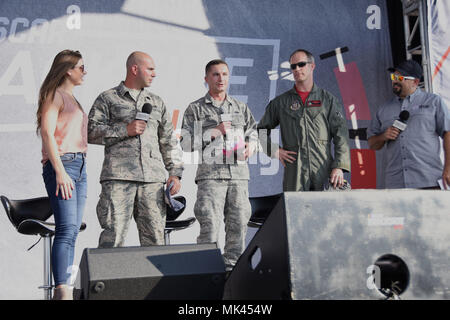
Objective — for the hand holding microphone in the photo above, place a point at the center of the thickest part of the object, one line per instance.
(391, 133)
(137, 126)
(398, 126)
(225, 123)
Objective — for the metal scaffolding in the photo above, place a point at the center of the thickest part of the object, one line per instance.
(417, 44)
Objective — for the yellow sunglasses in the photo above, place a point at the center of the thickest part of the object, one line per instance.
(398, 77)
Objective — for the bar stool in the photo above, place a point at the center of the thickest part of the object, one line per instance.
(29, 217)
(261, 208)
(172, 224)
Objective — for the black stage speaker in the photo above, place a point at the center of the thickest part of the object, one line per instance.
(173, 272)
(361, 244)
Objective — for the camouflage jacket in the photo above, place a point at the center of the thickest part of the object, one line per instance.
(138, 158)
(308, 129)
(198, 120)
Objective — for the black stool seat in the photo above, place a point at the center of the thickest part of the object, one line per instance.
(172, 214)
(19, 210)
(29, 216)
(261, 208)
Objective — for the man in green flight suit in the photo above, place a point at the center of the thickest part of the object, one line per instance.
(309, 118)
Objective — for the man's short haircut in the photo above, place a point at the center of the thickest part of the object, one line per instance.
(308, 55)
(213, 63)
(131, 60)
(135, 58)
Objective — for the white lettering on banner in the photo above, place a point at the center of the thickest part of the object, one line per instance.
(260, 42)
(22, 63)
(263, 158)
(373, 21)
(39, 27)
(286, 75)
(14, 24)
(74, 19)
(238, 62)
(3, 31)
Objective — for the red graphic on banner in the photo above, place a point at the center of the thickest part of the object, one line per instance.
(353, 92)
(364, 175)
(363, 161)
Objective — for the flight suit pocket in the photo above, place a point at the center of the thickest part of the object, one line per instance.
(313, 112)
(295, 111)
(323, 147)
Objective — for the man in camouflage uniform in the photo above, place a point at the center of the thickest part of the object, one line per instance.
(309, 118)
(222, 175)
(133, 174)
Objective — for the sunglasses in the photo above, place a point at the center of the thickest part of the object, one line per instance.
(299, 64)
(398, 77)
(80, 67)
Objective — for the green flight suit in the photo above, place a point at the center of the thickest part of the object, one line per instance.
(307, 128)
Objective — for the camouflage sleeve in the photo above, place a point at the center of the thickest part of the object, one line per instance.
(339, 132)
(268, 122)
(100, 129)
(192, 137)
(169, 146)
(188, 141)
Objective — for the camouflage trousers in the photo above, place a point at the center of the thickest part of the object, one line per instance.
(122, 200)
(225, 200)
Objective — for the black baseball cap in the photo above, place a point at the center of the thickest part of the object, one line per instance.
(408, 68)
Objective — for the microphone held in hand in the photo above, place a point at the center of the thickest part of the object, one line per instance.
(144, 115)
(400, 124)
(234, 140)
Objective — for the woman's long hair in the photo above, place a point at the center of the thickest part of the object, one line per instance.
(64, 61)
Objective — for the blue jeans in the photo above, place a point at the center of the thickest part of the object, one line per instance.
(67, 213)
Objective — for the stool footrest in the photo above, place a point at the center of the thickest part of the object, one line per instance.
(36, 227)
(179, 224)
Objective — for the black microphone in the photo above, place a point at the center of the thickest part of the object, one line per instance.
(145, 113)
(400, 124)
